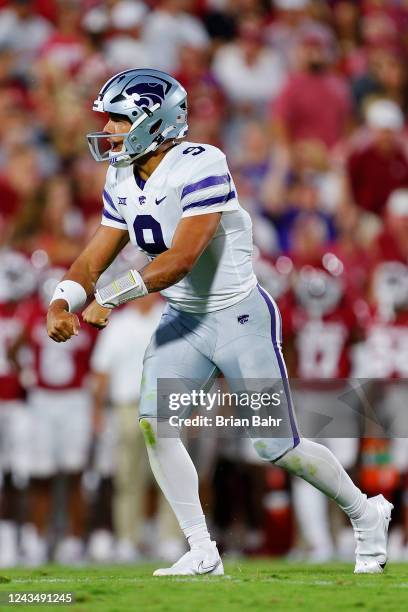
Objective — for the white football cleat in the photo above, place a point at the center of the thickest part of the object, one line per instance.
(197, 561)
(371, 548)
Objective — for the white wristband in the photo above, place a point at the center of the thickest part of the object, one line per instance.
(123, 289)
(72, 292)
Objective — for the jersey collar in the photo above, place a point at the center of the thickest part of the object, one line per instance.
(140, 182)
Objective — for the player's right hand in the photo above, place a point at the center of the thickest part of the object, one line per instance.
(61, 324)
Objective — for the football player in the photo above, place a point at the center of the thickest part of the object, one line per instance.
(177, 201)
(60, 410)
(16, 283)
(320, 332)
(383, 355)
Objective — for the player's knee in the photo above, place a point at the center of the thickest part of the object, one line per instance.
(270, 449)
(148, 428)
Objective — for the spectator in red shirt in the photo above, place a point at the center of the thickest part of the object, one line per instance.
(348, 28)
(20, 181)
(385, 76)
(206, 99)
(64, 50)
(315, 103)
(379, 166)
(392, 243)
(285, 31)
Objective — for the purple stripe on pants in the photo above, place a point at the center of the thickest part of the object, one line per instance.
(276, 342)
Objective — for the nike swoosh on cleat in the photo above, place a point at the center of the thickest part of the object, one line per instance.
(210, 568)
(160, 201)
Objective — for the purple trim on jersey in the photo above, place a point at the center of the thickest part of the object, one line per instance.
(276, 346)
(109, 216)
(139, 181)
(210, 201)
(204, 183)
(109, 200)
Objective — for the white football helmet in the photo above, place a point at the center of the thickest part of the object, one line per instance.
(317, 291)
(390, 288)
(153, 102)
(17, 276)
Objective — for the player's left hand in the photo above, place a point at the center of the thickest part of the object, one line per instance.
(96, 315)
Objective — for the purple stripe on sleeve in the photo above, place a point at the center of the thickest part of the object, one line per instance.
(210, 181)
(109, 199)
(109, 216)
(276, 341)
(210, 201)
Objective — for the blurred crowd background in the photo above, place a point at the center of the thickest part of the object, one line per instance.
(309, 101)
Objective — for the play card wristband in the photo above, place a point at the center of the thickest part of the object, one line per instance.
(123, 289)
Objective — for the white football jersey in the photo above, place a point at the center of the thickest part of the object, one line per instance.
(192, 179)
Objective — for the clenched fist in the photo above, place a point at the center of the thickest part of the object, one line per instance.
(96, 315)
(61, 324)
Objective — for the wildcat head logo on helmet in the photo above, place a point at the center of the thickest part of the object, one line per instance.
(146, 94)
(152, 101)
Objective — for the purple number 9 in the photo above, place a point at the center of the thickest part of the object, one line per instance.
(193, 150)
(147, 222)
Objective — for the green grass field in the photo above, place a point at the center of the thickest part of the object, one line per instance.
(249, 585)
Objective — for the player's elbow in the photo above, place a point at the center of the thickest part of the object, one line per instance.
(186, 263)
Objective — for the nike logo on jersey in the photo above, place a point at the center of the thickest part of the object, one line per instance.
(160, 201)
(209, 568)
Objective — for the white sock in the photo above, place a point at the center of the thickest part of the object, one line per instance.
(317, 465)
(177, 477)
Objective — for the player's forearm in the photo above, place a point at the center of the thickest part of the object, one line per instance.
(86, 273)
(82, 273)
(97, 256)
(166, 270)
(190, 240)
(169, 268)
